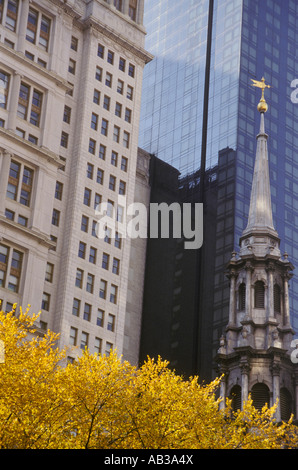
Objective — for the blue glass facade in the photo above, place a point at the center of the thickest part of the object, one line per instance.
(250, 39)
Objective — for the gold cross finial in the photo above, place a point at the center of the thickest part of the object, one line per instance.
(262, 106)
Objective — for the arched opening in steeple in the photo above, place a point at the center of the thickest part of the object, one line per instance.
(241, 297)
(259, 294)
(260, 395)
(235, 396)
(285, 404)
(277, 298)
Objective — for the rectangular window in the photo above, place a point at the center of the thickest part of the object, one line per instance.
(131, 70)
(97, 200)
(64, 140)
(122, 187)
(73, 336)
(84, 224)
(13, 180)
(96, 96)
(105, 261)
(100, 51)
(106, 102)
(22, 220)
(108, 79)
(122, 64)
(44, 34)
(72, 66)
(90, 283)
(87, 312)
(127, 115)
(89, 172)
(49, 272)
(94, 121)
(112, 183)
(111, 322)
(79, 278)
(118, 5)
(126, 137)
(36, 108)
(98, 345)
(114, 158)
(76, 307)
(4, 87)
(98, 74)
(23, 101)
(32, 26)
(9, 214)
(104, 127)
(116, 134)
(92, 145)
(110, 57)
(92, 255)
(103, 289)
(84, 340)
(67, 114)
(118, 240)
(99, 176)
(14, 269)
(116, 266)
(113, 294)
(120, 87)
(129, 93)
(100, 317)
(82, 250)
(109, 348)
(102, 152)
(132, 10)
(87, 197)
(55, 217)
(45, 303)
(118, 110)
(124, 164)
(58, 190)
(74, 43)
(12, 15)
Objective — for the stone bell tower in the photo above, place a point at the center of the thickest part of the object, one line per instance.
(254, 354)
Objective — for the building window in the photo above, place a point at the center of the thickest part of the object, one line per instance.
(124, 164)
(110, 208)
(112, 183)
(89, 172)
(113, 294)
(9, 214)
(22, 220)
(90, 283)
(132, 9)
(117, 242)
(12, 15)
(55, 217)
(116, 134)
(126, 137)
(259, 294)
(100, 51)
(92, 145)
(73, 336)
(131, 70)
(87, 312)
(114, 158)
(103, 289)
(10, 262)
(79, 278)
(104, 127)
(15, 191)
(49, 272)
(105, 261)
(74, 43)
(76, 307)
(100, 317)
(92, 255)
(38, 29)
(122, 64)
(23, 103)
(72, 66)
(45, 303)
(122, 187)
(118, 110)
(99, 176)
(84, 223)
(116, 266)
(96, 96)
(241, 293)
(84, 340)
(44, 36)
(109, 80)
(102, 152)
(82, 250)
(4, 88)
(98, 74)
(106, 102)
(87, 197)
(120, 87)
(111, 322)
(129, 93)
(64, 140)
(97, 345)
(94, 121)
(58, 190)
(118, 5)
(97, 200)
(109, 348)
(67, 114)
(110, 57)
(108, 235)
(277, 298)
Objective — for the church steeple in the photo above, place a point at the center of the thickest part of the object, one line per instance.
(254, 353)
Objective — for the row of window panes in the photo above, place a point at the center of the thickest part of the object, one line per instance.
(10, 268)
(22, 220)
(103, 285)
(106, 106)
(93, 255)
(102, 155)
(73, 340)
(100, 179)
(108, 231)
(109, 83)
(104, 130)
(110, 57)
(91, 278)
(76, 310)
(38, 29)
(111, 211)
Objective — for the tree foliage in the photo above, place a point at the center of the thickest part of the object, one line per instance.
(101, 402)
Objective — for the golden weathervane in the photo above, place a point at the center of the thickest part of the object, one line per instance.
(262, 106)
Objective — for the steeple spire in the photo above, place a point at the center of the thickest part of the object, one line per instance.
(260, 219)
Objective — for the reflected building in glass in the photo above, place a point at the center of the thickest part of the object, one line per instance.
(199, 116)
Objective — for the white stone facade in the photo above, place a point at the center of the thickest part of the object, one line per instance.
(70, 93)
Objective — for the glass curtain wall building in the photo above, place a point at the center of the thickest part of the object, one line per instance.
(248, 39)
